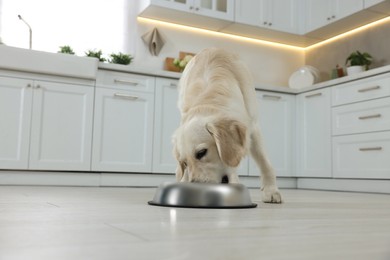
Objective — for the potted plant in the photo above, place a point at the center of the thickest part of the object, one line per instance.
(120, 58)
(95, 54)
(66, 49)
(358, 62)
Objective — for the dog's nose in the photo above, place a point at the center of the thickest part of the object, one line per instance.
(225, 179)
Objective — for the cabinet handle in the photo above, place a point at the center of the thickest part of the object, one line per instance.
(38, 86)
(369, 117)
(369, 89)
(270, 24)
(126, 96)
(366, 149)
(274, 97)
(29, 85)
(265, 23)
(313, 95)
(126, 82)
(191, 7)
(197, 9)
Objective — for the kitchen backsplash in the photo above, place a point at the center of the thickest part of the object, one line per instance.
(374, 40)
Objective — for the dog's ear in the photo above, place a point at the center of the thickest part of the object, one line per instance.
(230, 137)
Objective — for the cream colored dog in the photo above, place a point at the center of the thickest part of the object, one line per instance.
(219, 127)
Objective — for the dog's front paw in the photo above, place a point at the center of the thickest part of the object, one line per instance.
(271, 194)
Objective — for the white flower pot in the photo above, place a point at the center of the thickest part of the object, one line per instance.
(355, 70)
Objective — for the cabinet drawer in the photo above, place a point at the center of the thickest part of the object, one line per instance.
(124, 81)
(366, 89)
(362, 117)
(362, 156)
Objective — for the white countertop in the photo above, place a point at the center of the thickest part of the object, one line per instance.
(59, 64)
(139, 70)
(365, 74)
(73, 66)
(281, 89)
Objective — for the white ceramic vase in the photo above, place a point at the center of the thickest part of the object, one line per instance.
(351, 70)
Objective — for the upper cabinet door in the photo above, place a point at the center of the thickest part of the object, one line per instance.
(281, 15)
(318, 13)
(344, 8)
(322, 12)
(221, 9)
(249, 11)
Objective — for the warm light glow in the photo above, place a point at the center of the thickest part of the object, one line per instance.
(219, 34)
(351, 32)
(263, 42)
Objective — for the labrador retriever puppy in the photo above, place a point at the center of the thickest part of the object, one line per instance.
(219, 123)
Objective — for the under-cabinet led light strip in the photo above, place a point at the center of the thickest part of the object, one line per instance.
(264, 42)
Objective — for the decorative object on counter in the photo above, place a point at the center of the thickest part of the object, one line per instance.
(120, 58)
(358, 62)
(304, 77)
(66, 49)
(182, 63)
(173, 64)
(95, 54)
(337, 72)
(154, 41)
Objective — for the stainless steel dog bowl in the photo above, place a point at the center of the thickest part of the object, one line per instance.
(202, 195)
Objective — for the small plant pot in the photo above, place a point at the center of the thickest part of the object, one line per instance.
(352, 70)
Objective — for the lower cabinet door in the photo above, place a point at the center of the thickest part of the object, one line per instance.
(123, 131)
(276, 119)
(166, 120)
(61, 129)
(15, 120)
(314, 144)
(362, 156)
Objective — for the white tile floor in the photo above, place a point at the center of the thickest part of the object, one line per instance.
(116, 223)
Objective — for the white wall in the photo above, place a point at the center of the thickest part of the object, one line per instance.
(112, 26)
(269, 65)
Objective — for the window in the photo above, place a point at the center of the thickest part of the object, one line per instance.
(82, 24)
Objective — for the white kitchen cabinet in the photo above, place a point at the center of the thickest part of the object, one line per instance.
(369, 3)
(61, 129)
(276, 119)
(60, 117)
(361, 128)
(123, 123)
(364, 156)
(210, 14)
(281, 15)
(222, 9)
(323, 12)
(314, 134)
(362, 90)
(166, 120)
(15, 120)
(380, 6)
(362, 117)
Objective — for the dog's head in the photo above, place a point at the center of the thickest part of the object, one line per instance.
(206, 151)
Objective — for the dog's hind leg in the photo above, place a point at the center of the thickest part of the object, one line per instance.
(270, 191)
